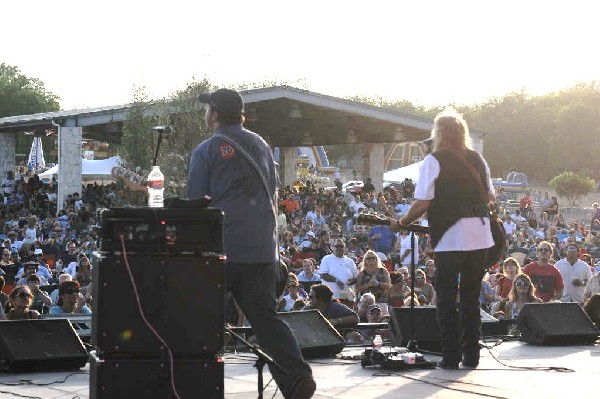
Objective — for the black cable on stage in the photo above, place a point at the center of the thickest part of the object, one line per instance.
(39, 384)
(527, 368)
(387, 374)
(20, 396)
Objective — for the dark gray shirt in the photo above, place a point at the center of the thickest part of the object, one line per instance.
(219, 170)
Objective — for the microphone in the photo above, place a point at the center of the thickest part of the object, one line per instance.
(162, 129)
(166, 129)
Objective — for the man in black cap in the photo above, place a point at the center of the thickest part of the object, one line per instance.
(235, 167)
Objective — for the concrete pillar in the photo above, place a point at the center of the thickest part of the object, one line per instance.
(7, 153)
(374, 165)
(287, 159)
(69, 163)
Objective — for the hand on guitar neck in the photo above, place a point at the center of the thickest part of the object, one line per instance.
(384, 221)
(132, 180)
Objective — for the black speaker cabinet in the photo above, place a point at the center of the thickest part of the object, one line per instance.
(315, 335)
(426, 331)
(181, 297)
(40, 345)
(151, 378)
(556, 324)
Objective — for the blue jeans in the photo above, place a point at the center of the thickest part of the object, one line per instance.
(253, 287)
(460, 327)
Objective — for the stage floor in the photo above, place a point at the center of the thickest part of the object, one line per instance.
(555, 372)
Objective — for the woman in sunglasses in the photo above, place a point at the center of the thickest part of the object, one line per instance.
(522, 292)
(373, 277)
(70, 300)
(19, 303)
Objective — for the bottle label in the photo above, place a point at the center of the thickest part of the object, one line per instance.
(156, 184)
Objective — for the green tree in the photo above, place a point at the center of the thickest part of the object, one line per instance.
(137, 143)
(572, 186)
(188, 130)
(22, 95)
(183, 113)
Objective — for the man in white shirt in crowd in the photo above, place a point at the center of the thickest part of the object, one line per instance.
(308, 241)
(405, 252)
(575, 273)
(337, 270)
(516, 217)
(509, 225)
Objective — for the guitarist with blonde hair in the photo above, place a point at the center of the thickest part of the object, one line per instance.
(454, 188)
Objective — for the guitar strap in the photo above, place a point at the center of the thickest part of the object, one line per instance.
(263, 178)
(479, 180)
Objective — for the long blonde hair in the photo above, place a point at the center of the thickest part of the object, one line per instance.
(373, 254)
(450, 131)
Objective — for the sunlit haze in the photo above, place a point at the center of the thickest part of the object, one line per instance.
(93, 53)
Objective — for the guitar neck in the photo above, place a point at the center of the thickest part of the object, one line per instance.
(382, 221)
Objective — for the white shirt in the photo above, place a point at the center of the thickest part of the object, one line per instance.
(405, 245)
(509, 227)
(593, 285)
(517, 218)
(342, 268)
(30, 235)
(579, 270)
(311, 215)
(467, 234)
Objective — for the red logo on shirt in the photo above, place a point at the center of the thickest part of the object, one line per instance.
(227, 151)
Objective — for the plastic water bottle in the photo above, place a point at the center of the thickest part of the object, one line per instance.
(377, 342)
(156, 188)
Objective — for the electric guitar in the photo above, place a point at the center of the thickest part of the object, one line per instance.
(369, 219)
(133, 180)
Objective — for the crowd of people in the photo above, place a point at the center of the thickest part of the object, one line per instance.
(45, 266)
(367, 268)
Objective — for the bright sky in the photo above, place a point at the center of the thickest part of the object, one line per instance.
(92, 53)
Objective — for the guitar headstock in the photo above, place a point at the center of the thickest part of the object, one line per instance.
(370, 219)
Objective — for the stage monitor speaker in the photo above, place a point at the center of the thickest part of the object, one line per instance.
(40, 345)
(151, 378)
(181, 297)
(426, 331)
(315, 335)
(556, 324)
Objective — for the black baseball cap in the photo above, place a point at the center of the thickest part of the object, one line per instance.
(224, 101)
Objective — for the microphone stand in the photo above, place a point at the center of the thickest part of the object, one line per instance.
(412, 343)
(160, 133)
(412, 229)
(263, 358)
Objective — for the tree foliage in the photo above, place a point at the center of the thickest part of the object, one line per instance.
(137, 143)
(22, 95)
(183, 113)
(189, 130)
(572, 186)
(541, 136)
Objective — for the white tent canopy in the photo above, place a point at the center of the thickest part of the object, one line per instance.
(398, 175)
(91, 169)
